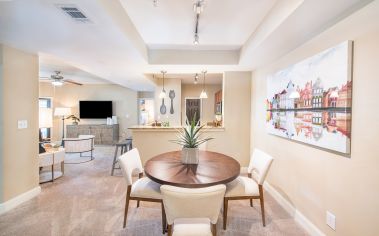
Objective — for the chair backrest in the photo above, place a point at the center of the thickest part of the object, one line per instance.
(129, 162)
(260, 163)
(82, 144)
(192, 202)
(88, 136)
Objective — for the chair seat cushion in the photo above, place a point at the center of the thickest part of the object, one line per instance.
(242, 186)
(146, 188)
(192, 227)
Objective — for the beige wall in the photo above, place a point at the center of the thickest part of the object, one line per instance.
(233, 140)
(19, 101)
(192, 90)
(124, 103)
(170, 84)
(1, 124)
(313, 180)
(145, 94)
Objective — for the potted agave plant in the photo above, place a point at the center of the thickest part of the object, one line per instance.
(189, 137)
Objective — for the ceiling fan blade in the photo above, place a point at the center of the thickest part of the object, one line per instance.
(72, 82)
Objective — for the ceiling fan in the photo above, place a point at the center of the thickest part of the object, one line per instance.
(58, 80)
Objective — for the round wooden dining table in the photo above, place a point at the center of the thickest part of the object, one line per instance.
(213, 168)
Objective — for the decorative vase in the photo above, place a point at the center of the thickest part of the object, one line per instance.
(190, 155)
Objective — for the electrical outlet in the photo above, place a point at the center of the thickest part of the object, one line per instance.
(22, 124)
(331, 220)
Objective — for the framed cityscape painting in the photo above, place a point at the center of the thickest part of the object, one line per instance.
(310, 101)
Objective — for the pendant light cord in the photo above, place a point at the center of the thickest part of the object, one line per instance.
(204, 80)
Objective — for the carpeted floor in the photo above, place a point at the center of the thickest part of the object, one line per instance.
(88, 201)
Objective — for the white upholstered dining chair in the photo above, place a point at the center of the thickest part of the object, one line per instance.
(143, 189)
(249, 187)
(192, 211)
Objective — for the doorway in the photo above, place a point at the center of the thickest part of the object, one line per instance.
(193, 106)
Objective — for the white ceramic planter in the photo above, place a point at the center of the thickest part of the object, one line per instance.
(190, 155)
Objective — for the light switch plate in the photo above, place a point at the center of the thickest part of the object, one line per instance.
(331, 220)
(22, 124)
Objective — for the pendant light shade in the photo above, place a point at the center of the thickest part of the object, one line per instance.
(203, 93)
(294, 95)
(163, 92)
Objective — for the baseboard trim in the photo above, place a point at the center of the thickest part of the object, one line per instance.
(296, 214)
(12, 203)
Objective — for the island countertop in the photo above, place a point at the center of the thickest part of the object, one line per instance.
(171, 128)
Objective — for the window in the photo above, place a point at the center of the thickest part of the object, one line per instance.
(146, 111)
(45, 103)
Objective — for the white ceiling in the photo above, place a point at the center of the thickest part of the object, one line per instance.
(128, 39)
(49, 64)
(224, 24)
(210, 78)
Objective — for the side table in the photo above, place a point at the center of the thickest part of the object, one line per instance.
(49, 159)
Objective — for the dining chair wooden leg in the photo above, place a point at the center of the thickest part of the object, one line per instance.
(214, 229)
(262, 205)
(126, 205)
(52, 173)
(137, 203)
(169, 230)
(225, 212)
(251, 202)
(163, 219)
(62, 167)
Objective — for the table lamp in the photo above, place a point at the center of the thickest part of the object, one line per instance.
(62, 112)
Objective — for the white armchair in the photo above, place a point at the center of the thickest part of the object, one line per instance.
(192, 211)
(82, 144)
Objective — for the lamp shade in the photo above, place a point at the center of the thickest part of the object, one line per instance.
(62, 111)
(45, 117)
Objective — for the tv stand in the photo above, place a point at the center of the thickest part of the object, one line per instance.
(104, 134)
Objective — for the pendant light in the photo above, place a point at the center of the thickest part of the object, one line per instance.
(203, 93)
(196, 79)
(163, 92)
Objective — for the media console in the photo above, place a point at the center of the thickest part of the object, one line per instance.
(104, 134)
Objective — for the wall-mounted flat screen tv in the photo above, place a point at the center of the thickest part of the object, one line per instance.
(95, 109)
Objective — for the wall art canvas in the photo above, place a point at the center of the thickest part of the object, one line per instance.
(310, 101)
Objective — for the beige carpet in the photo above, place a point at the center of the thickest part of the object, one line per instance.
(88, 201)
